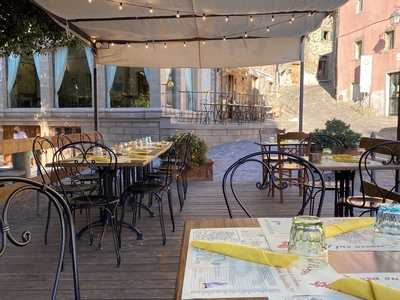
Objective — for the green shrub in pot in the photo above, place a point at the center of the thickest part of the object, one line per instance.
(340, 131)
(198, 148)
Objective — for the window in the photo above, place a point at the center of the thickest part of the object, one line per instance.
(325, 35)
(358, 49)
(389, 40)
(394, 93)
(25, 90)
(129, 88)
(323, 68)
(359, 6)
(76, 86)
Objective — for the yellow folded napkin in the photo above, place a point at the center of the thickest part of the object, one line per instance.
(346, 158)
(247, 253)
(96, 158)
(365, 289)
(347, 226)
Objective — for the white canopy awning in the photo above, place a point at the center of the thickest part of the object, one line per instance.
(190, 33)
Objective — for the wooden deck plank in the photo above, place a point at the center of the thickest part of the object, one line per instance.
(148, 269)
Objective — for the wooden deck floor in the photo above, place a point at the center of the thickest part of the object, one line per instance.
(148, 269)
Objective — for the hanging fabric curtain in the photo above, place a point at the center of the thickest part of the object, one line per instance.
(12, 69)
(36, 60)
(110, 75)
(90, 59)
(60, 62)
(189, 88)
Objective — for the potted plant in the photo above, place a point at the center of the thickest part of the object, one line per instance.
(200, 167)
(341, 131)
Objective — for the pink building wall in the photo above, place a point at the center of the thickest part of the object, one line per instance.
(368, 26)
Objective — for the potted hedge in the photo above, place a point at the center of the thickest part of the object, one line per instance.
(200, 167)
(341, 131)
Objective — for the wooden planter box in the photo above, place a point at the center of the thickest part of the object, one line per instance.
(201, 173)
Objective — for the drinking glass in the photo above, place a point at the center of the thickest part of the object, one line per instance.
(388, 219)
(307, 237)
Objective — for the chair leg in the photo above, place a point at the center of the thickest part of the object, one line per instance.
(171, 209)
(161, 216)
(47, 223)
(114, 230)
(179, 191)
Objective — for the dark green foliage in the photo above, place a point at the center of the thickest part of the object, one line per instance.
(25, 28)
(198, 150)
(339, 130)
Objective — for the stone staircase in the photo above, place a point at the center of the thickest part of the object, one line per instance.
(320, 106)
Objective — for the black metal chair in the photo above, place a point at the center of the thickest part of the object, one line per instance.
(155, 186)
(373, 191)
(65, 222)
(313, 181)
(102, 160)
(183, 159)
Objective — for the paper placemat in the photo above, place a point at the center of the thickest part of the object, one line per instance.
(277, 231)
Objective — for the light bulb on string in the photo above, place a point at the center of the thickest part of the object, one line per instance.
(178, 14)
(251, 19)
(268, 29)
(147, 45)
(128, 45)
(165, 45)
(184, 44)
(224, 38)
(120, 7)
(90, 1)
(151, 10)
(204, 17)
(273, 18)
(226, 19)
(310, 13)
(203, 42)
(112, 44)
(291, 19)
(245, 35)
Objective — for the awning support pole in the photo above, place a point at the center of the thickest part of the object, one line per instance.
(301, 97)
(95, 104)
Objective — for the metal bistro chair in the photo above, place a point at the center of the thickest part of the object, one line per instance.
(313, 180)
(102, 160)
(373, 191)
(66, 226)
(155, 187)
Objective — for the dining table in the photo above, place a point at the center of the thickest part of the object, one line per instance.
(343, 262)
(131, 162)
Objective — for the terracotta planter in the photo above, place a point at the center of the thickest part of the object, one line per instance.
(201, 173)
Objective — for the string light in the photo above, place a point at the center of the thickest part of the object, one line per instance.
(310, 13)
(291, 19)
(177, 14)
(251, 19)
(165, 45)
(151, 10)
(224, 38)
(268, 29)
(184, 44)
(120, 6)
(204, 17)
(226, 19)
(147, 45)
(90, 1)
(203, 42)
(245, 35)
(273, 18)
(112, 44)
(129, 45)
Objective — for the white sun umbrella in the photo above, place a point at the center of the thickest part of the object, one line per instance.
(190, 33)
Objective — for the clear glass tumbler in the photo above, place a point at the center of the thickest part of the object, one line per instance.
(307, 237)
(388, 219)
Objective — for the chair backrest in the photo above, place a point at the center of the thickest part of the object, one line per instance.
(86, 155)
(99, 138)
(66, 224)
(63, 139)
(297, 143)
(42, 148)
(388, 153)
(313, 181)
(323, 141)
